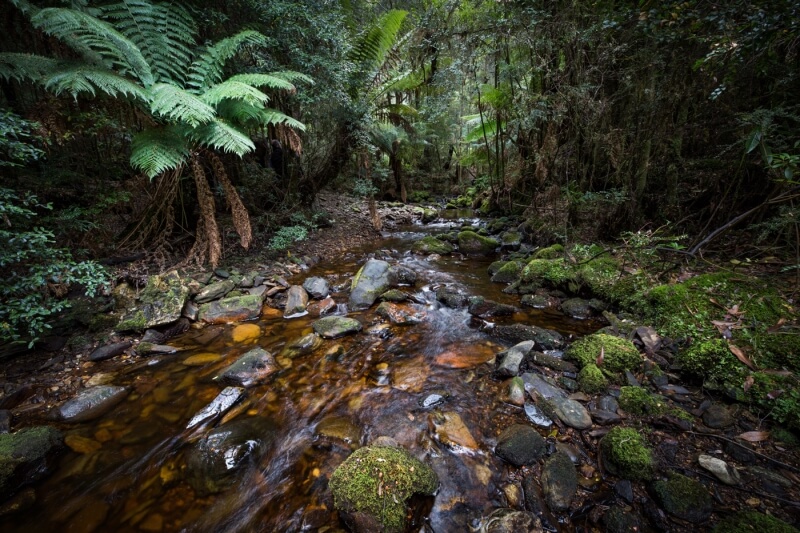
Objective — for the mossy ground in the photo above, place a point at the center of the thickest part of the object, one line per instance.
(592, 380)
(637, 401)
(378, 480)
(618, 354)
(752, 521)
(628, 453)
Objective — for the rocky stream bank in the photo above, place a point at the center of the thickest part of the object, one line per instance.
(581, 393)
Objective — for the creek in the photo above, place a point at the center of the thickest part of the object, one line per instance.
(416, 384)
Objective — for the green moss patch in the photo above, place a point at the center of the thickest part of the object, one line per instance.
(551, 252)
(618, 354)
(378, 480)
(752, 521)
(626, 454)
(592, 380)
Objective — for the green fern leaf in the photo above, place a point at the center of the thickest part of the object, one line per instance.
(87, 33)
(374, 45)
(220, 135)
(156, 150)
(487, 130)
(21, 67)
(251, 116)
(292, 76)
(83, 78)
(164, 31)
(234, 90)
(177, 104)
(207, 69)
(264, 80)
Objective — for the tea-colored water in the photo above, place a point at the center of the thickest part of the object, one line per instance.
(130, 474)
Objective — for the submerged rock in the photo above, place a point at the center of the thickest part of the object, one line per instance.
(213, 462)
(332, 327)
(161, 302)
(302, 346)
(26, 457)
(250, 369)
(372, 487)
(507, 520)
(398, 315)
(226, 399)
(338, 429)
(520, 445)
(450, 430)
(451, 296)
(91, 403)
(371, 281)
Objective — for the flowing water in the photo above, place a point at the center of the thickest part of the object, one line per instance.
(402, 382)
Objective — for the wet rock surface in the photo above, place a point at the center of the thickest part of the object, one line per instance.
(91, 403)
(250, 369)
(27, 456)
(520, 445)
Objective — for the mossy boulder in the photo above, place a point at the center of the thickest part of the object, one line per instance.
(472, 243)
(161, 302)
(550, 252)
(547, 273)
(231, 309)
(432, 245)
(684, 498)
(753, 522)
(372, 486)
(332, 327)
(625, 454)
(619, 354)
(592, 380)
(371, 281)
(27, 456)
(508, 273)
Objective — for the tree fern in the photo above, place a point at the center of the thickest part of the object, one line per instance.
(177, 104)
(19, 67)
(271, 81)
(206, 70)
(87, 33)
(373, 46)
(220, 135)
(234, 90)
(78, 78)
(163, 31)
(156, 150)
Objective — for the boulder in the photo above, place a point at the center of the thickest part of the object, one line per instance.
(91, 403)
(400, 275)
(296, 302)
(483, 308)
(508, 273)
(546, 339)
(510, 360)
(250, 369)
(580, 308)
(451, 296)
(398, 315)
(470, 242)
(370, 282)
(317, 287)
(432, 245)
(684, 498)
(372, 487)
(559, 481)
(332, 327)
(520, 445)
(510, 240)
(27, 456)
(161, 302)
(215, 291)
(213, 462)
(232, 309)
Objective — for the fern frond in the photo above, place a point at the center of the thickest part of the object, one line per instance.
(88, 34)
(400, 111)
(164, 32)
(264, 80)
(220, 135)
(156, 150)
(292, 76)
(234, 90)
(20, 67)
(80, 78)
(207, 69)
(251, 116)
(487, 130)
(177, 104)
(373, 46)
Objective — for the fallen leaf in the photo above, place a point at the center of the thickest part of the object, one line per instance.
(748, 383)
(754, 436)
(735, 350)
(777, 326)
(602, 356)
(734, 311)
(774, 394)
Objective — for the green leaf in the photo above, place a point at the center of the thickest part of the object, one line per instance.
(157, 150)
(173, 102)
(753, 140)
(220, 135)
(264, 80)
(207, 69)
(234, 90)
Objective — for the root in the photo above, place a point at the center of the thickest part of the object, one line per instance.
(241, 219)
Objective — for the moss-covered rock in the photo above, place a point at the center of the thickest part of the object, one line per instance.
(471, 242)
(684, 498)
(431, 245)
(592, 380)
(547, 272)
(377, 481)
(637, 401)
(161, 302)
(508, 273)
(625, 454)
(618, 354)
(551, 252)
(26, 456)
(753, 522)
